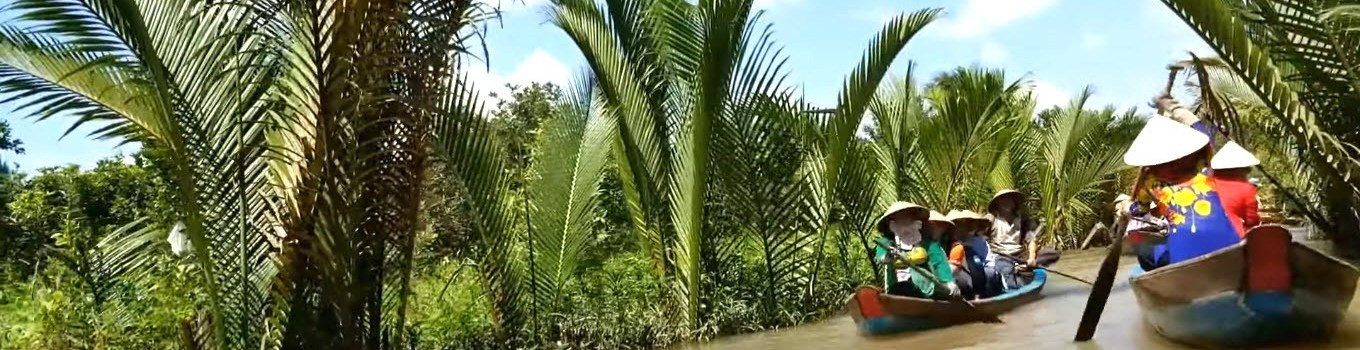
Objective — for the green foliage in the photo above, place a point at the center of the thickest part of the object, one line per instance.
(69, 289)
(8, 143)
(1077, 158)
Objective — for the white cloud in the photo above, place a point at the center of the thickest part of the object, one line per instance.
(1092, 41)
(992, 53)
(1047, 94)
(538, 67)
(981, 17)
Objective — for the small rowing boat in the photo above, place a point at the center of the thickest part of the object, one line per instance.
(878, 313)
(1266, 290)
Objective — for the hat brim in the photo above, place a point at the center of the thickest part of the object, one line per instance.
(918, 213)
(1019, 197)
(1163, 140)
(1233, 156)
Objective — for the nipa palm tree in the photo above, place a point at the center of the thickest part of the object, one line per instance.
(674, 74)
(1299, 57)
(1078, 151)
(296, 135)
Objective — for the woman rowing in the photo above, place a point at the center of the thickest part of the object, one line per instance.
(1178, 190)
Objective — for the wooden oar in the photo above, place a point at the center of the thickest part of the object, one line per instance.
(1069, 276)
(956, 298)
(1100, 290)
(1057, 272)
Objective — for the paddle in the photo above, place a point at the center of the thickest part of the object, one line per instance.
(1100, 290)
(956, 298)
(1068, 275)
(1049, 269)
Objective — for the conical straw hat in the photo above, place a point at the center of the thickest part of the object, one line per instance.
(935, 216)
(1233, 156)
(967, 219)
(1020, 197)
(1163, 140)
(910, 210)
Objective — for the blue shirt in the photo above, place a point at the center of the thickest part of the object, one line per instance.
(978, 245)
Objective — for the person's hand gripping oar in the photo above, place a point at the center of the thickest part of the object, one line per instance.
(955, 298)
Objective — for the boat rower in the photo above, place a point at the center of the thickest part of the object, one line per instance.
(1014, 245)
(1179, 191)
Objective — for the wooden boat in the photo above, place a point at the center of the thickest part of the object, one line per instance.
(878, 313)
(1266, 290)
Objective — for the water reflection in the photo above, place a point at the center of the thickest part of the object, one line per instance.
(1045, 324)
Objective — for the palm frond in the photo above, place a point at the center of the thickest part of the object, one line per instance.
(858, 89)
(644, 147)
(568, 168)
(1079, 151)
(464, 140)
(974, 119)
(1268, 73)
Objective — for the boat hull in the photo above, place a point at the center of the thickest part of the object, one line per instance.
(897, 314)
(1206, 302)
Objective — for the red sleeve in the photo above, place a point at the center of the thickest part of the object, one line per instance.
(1252, 216)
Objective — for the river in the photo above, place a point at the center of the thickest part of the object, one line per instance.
(1046, 324)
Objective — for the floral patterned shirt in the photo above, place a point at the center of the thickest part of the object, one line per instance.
(1198, 223)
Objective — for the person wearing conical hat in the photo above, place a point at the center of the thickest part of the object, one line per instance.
(1177, 190)
(900, 247)
(1231, 166)
(1013, 245)
(968, 255)
(939, 231)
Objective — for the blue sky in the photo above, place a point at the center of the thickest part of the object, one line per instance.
(1120, 47)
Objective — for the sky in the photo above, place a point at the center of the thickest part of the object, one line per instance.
(1120, 48)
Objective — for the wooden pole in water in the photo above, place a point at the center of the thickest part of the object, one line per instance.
(1100, 290)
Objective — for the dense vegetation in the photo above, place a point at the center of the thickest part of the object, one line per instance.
(320, 175)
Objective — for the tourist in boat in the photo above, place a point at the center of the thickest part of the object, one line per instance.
(901, 247)
(968, 255)
(1231, 166)
(1014, 247)
(1178, 190)
(939, 232)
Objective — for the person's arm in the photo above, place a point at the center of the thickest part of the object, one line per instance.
(1032, 243)
(1143, 201)
(1253, 215)
(939, 264)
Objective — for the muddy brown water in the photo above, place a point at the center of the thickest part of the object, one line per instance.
(1048, 323)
